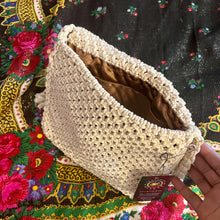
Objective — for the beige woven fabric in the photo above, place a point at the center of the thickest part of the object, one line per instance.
(83, 120)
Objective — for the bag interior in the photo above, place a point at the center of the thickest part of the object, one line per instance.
(133, 93)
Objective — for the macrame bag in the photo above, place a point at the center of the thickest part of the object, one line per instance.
(114, 115)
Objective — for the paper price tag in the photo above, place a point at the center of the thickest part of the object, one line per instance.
(151, 188)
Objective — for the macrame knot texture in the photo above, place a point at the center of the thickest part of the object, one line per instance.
(114, 115)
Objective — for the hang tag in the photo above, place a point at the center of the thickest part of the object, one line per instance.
(151, 188)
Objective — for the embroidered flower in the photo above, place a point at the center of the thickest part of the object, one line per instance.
(163, 66)
(132, 11)
(35, 190)
(162, 3)
(195, 56)
(48, 188)
(59, 26)
(50, 37)
(39, 114)
(47, 50)
(19, 169)
(154, 211)
(33, 25)
(174, 202)
(125, 216)
(52, 151)
(5, 166)
(26, 41)
(99, 11)
(9, 145)
(37, 136)
(196, 84)
(27, 217)
(170, 188)
(193, 7)
(121, 35)
(38, 164)
(24, 64)
(12, 190)
(205, 31)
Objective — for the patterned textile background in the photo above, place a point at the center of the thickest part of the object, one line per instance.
(179, 38)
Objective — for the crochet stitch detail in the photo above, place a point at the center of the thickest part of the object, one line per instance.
(101, 135)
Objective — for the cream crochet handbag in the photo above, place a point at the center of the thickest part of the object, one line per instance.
(114, 115)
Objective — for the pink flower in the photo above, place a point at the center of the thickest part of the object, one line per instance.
(176, 217)
(5, 166)
(155, 211)
(30, 208)
(12, 190)
(170, 188)
(47, 50)
(9, 145)
(18, 209)
(26, 41)
(50, 37)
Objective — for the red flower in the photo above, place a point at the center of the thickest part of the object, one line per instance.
(26, 41)
(126, 36)
(12, 190)
(163, 62)
(5, 166)
(48, 188)
(37, 136)
(38, 164)
(190, 9)
(135, 13)
(9, 145)
(174, 202)
(24, 64)
(154, 211)
(162, 6)
(27, 217)
(192, 54)
(76, 187)
(200, 30)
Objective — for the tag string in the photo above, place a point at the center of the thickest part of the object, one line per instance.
(165, 157)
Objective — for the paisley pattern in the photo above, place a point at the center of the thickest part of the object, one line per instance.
(53, 186)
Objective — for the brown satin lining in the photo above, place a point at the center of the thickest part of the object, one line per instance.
(133, 93)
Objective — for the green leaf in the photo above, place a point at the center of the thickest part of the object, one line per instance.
(21, 159)
(132, 213)
(117, 217)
